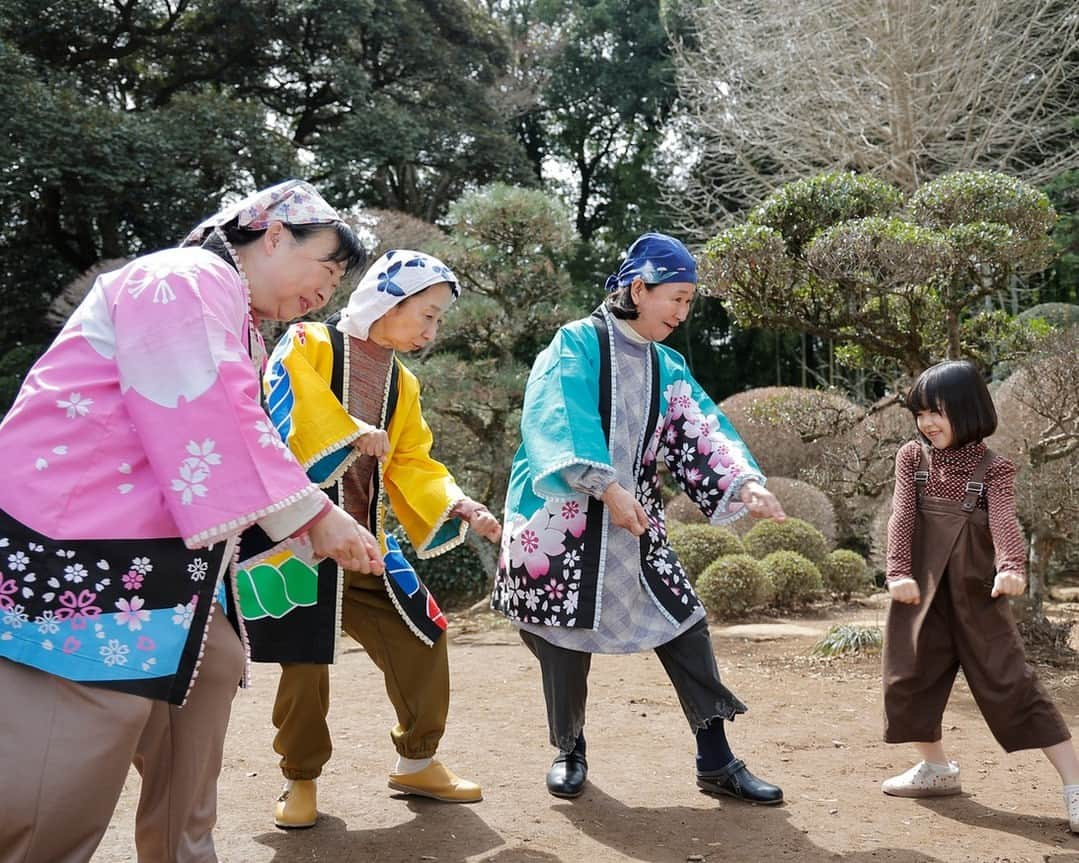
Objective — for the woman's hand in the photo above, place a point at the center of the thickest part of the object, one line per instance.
(905, 590)
(376, 443)
(1008, 584)
(340, 536)
(479, 518)
(760, 502)
(624, 509)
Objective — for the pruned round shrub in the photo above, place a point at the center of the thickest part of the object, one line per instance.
(799, 500)
(796, 580)
(771, 421)
(792, 534)
(682, 510)
(734, 585)
(1057, 315)
(845, 572)
(697, 545)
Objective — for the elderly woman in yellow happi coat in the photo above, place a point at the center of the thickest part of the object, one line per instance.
(349, 411)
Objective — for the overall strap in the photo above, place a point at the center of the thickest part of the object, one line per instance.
(976, 483)
(921, 472)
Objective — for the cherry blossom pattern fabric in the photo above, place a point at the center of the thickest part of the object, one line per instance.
(142, 420)
(552, 561)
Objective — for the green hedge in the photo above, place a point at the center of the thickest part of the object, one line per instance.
(792, 534)
(734, 585)
(796, 581)
(698, 545)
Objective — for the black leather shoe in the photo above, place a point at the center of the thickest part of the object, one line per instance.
(567, 774)
(735, 780)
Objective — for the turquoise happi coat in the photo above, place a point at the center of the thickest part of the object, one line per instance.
(554, 543)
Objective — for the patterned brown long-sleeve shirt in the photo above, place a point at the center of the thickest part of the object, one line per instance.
(949, 471)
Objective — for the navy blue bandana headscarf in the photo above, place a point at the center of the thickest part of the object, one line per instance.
(655, 258)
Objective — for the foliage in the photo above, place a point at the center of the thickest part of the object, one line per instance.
(506, 245)
(846, 638)
(845, 572)
(777, 90)
(796, 580)
(1038, 410)
(1057, 315)
(792, 534)
(14, 364)
(781, 425)
(698, 545)
(802, 501)
(1061, 282)
(590, 91)
(897, 282)
(877, 531)
(734, 585)
(381, 230)
(455, 578)
(126, 122)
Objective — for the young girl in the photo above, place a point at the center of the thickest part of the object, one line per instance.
(954, 551)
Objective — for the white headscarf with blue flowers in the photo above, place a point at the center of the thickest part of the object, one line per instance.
(394, 277)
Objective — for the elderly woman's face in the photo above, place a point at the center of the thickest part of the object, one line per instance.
(294, 278)
(662, 308)
(413, 323)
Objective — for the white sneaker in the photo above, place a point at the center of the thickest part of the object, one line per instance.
(929, 780)
(1071, 804)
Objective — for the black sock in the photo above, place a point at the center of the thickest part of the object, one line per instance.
(579, 745)
(713, 751)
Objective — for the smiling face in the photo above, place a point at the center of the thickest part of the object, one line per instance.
(290, 278)
(413, 323)
(661, 308)
(936, 428)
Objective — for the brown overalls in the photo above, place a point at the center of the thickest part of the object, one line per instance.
(957, 625)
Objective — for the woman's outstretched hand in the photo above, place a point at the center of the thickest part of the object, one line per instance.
(760, 502)
(479, 518)
(624, 509)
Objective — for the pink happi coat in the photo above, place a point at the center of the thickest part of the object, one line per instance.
(142, 420)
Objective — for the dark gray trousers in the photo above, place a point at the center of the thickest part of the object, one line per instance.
(688, 660)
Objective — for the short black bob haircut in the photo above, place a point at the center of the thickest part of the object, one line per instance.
(349, 250)
(956, 389)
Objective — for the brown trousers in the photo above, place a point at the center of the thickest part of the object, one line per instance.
(66, 749)
(959, 625)
(417, 682)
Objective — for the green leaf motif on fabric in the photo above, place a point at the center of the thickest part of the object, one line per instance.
(275, 587)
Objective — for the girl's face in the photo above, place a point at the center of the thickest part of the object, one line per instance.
(936, 428)
(290, 279)
(413, 323)
(661, 309)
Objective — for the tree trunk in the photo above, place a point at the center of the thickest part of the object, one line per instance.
(953, 335)
(487, 553)
(1041, 550)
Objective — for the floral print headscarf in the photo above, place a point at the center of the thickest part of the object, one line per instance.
(395, 276)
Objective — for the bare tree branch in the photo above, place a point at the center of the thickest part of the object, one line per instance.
(775, 90)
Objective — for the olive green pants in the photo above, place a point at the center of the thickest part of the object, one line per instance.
(417, 681)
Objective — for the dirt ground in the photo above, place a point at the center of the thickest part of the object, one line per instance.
(813, 727)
